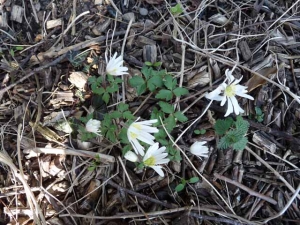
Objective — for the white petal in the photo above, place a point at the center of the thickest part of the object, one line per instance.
(214, 95)
(158, 169)
(236, 107)
(148, 122)
(138, 148)
(131, 156)
(229, 108)
(224, 99)
(151, 151)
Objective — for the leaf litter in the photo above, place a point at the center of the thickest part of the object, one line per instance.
(54, 80)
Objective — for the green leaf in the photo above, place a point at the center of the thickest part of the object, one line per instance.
(91, 168)
(241, 144)
(19, 48)
(164, 94)
(160, 135)
(115, 114)
(180, 91)
(193, 180)
(112, 89)
(169, 82)
(92, 80)
(106, 97)
(123, 136)
(170, 123)
(156, 114)
(136, 81)
(179, 187)
(12, 53)
(148, 64)
(202, 131)
(98, 91)
(180, 116)
(147, 71)
(241, 124)
(222, 126)
(125, 149)
(176, 10)
(258, 111)
(157, 64)
(128, 115)
(110, 135)
(122, 107)
(166, 107)
(154, 82)
(223, 144)
(141, 89)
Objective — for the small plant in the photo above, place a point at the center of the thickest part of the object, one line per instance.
(176, 10)
(95, 163)
(202, 131)
(105, 89)
(259, 114)
(183, 183)
(232, 132)
(156, 64)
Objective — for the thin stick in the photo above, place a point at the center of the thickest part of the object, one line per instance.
(273, 170)
(285, 207)
(245, 188)
(34, 152)
(161, 212)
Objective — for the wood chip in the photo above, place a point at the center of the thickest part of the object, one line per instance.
(53, 23)
(17, 13)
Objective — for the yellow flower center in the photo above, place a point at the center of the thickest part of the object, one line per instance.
(230, 90)
(150, 161)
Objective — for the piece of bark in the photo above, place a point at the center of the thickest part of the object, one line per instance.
(150, 53)
(17, 13)
(262, 141)
(245, 50)
(142, 41)
(53, 23)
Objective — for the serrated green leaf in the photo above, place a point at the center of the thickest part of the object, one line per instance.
(242, 125)
(170, 123)
(180, 91)
(180, 116)
(98, 91)
(160, 135)
(166, 107)
(128, 115)
(106, 97)
(193, 180)
(241, 144)
(222, 126)
(154, 82)
(115, 114)
(136, 81)
(141, 89)
(155, 115)
(122, 107)
(148, 64)
(169, 82)
(112, 89)
(125, 149)
(110, 135)
(92, 80)
(164, 94)
(179, 187)
(123, 136)
(223, 144)
(146, 71)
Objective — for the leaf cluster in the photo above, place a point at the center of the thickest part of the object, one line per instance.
(104, 88)
(183, 183)
(233, 133)
(259, 114)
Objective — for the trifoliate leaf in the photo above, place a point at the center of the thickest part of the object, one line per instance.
(180, 116)
(180, 91)
(241, 124)
(222, 126)
(166, 107)
(164, 94)
(241, 144)
(155, 82)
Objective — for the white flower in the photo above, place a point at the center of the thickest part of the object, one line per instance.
(141, 131)
(156, 156)
(199, 149)
(115, 66)
(93, 126)
(230, 90)
(131, 156)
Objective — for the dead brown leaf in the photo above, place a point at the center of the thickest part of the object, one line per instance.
(256, 81)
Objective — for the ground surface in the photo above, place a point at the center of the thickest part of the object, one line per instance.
(49, 49)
